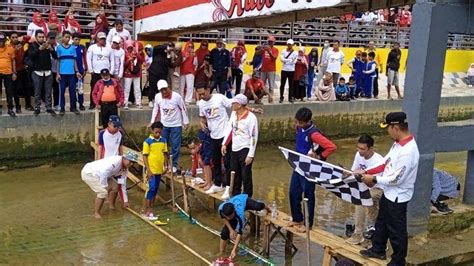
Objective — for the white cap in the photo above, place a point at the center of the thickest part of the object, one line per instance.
(290, 41)
(116, 39)
(302, 49)
(148, 46)
(162, 84)
(240, 99)
(101, 35)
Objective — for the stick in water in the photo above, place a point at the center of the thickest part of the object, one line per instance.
(308, 241)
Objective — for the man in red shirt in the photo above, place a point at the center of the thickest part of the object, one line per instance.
(269, 56)
(255, 88)
(108, 96)
(19, 85)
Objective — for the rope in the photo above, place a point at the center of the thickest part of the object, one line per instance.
(170, 236)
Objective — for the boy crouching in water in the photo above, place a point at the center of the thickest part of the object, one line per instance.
(155, 158)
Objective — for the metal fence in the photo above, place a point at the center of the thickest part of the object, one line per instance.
(16, 16)
(314, 33)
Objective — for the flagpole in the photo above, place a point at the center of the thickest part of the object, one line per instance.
(308, 240)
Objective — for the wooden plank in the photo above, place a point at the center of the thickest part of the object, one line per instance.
(327, 257)
(288, 244)
(324, 238)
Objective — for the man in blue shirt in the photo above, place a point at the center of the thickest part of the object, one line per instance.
(220, 64)
(67, 72)
(81, 67)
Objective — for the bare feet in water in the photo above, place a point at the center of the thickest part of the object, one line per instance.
(294, 224)
(97, 215)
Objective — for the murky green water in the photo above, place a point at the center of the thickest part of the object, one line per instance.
(46, 216)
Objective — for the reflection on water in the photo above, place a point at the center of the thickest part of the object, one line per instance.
(46, 216)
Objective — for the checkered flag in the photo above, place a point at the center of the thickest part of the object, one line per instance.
(329, 177)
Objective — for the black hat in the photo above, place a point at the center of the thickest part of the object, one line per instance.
(394, 119)
(105, 71)
(52, 34)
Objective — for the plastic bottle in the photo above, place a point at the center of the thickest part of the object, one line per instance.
(274, 210)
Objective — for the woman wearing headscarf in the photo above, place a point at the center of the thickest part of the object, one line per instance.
(238, 57)
(101, 25)
(54, 22)
(134, 59)
(201, 54)
(312, 66)
(325, 91)
(38, 23)
(300, 77)
(71, 24)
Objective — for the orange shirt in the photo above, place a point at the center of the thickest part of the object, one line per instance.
(7, 55)
(109, 94)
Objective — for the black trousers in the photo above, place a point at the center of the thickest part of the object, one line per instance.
(22, 86)
(391, 224)
(243, 173)
(250, 205)
(216, 160)
(376, 83)
(9, 90)
(237, 75)
(94, 78)
(56, 89)
(106, 110)
(287, 75)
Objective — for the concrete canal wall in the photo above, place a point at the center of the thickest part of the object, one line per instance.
(27, 138)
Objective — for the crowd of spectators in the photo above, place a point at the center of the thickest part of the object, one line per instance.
(401, 16)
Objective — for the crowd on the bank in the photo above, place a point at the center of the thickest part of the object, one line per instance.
(399, 15)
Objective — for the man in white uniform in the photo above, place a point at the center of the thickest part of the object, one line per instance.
(170, 110)
(396, 176)
(242, 130)
(334, 61)
(97, 174)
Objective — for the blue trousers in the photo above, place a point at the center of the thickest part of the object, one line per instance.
(173, 136)
(369, 86)
(68, 81)
(309, 88)
(298, 186)
(152, 187)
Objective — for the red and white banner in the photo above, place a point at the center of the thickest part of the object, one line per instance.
(174, 14)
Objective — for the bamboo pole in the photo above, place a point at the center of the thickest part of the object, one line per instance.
(96, 132)
(185, 194)
(308, 240)
(173, 196)
(232, 177)
(177, 241)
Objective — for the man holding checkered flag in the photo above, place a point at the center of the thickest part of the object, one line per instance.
(309, 141)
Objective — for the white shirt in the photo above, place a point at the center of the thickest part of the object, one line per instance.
(288, 60)
(124, 34)
(243, 132)
(99, 58)
(106, 168)
(399, 171)
(32, 28)
(215, 112)
(334, 61)
(171, 112)
(110, 142)
(369, 17)
(118, 61)
(361, 163)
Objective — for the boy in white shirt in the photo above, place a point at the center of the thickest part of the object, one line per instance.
(118, 59)
(334, 61)
(242, 130)
(170, 110)
(365, 158)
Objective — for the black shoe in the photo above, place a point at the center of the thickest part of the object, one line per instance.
(280, 101)
(37, 112)
(441, 207)
(82, 108)
(11, 113)
(291, 100)
(18, 110)
(350, 229)
(368, 253)
(91, 107)
(51, 112)
(369, 232)
(75, 111)
(62, 112)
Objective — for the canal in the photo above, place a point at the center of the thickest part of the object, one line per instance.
(46, 216)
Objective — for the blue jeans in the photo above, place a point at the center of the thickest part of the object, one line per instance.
(298, 185)
(70, 82)
(173, 136)
(309, 89)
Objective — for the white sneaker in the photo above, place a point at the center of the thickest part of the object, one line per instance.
(152, 217)
(126, 107)
(150, 104)
(214, 189)
(174, 169)
(470, 86)
(226, 193)
(139, 106)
